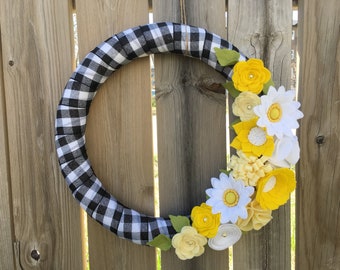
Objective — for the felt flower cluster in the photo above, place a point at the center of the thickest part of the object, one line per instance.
(259, 179)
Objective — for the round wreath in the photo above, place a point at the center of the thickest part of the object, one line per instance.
(259, 178)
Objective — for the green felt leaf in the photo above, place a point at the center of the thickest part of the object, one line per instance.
(227, 172)
(161, 241)
(236, 121)
(226, 57)
(178, 222)
(231, 89)
(267, 85)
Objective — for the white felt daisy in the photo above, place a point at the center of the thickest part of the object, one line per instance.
(229, 197)
(278, 112)
(286, 152)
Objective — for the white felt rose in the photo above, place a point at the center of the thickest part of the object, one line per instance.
(227, 235)
(286, 152)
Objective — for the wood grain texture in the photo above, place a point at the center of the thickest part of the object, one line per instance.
(191, 126)
(318, 196)
(119, 132)
(262, 29)
(37, 210)
(36, 37)
(6, 221)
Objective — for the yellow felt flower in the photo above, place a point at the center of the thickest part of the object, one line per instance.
(249, 169)
(252, 139)
(188, 243)
(205, 222)
(274, 189)
(250, 75)
(257, 217)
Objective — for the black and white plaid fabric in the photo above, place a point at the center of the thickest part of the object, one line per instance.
(74, 105)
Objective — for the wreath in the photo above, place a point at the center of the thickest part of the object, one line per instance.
(259, 177)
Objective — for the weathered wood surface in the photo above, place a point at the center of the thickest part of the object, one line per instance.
(191, 125)
(37, 210)
(37, 55)
(262, 29)
(318, 196)
(119, 131)
(6, 235)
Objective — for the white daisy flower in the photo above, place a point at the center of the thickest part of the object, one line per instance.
(278, 112)
(286, 152)
(227, 235)
(229, 197)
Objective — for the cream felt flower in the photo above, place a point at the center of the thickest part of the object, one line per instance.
(188, 243)
(249, 169)
(227, 235)
(244, 104)
(286, 152)
(278, 112)
(229, 197)
(257, 217)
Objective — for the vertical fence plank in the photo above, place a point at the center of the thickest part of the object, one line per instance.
(36, 41)
(119, 131)
(262, 29)
(191, 126)
(318, 196)
(6, 222)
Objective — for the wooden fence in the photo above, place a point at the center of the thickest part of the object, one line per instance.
(41, 225)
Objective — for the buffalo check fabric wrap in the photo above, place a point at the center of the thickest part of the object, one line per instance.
(74, 105)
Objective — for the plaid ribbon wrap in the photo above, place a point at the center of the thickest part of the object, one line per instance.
(74, 105)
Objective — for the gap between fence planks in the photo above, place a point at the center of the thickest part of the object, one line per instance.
(191, 126)
(262, 29)
(119, 132)
(318, 196)
(36, 39)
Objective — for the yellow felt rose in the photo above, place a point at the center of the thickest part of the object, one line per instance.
(257, 217)
(252, 140)
(250, 75)
(188, 243)
(244, 104)
(274, 189)
(205, 222)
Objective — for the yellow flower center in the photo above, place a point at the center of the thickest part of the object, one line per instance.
(224, 234)
(190, 242)
(250, 75)
(231, 197)
(270, 184)
(274, 112)
(257, 136)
